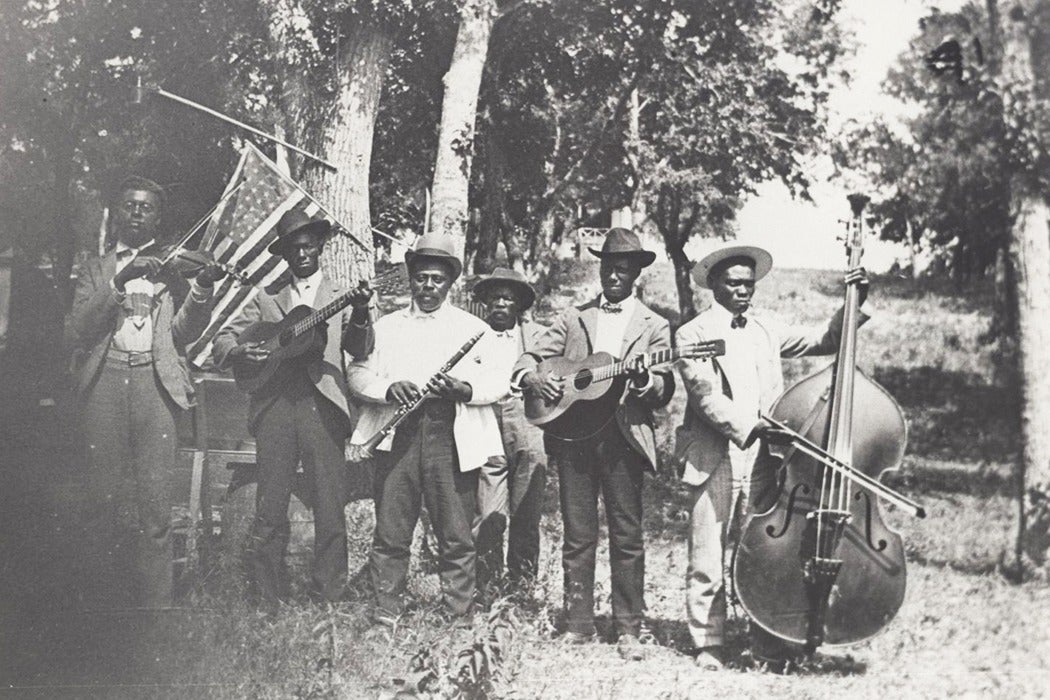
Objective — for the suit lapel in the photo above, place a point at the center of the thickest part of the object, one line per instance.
(589, 321)
(283, 297)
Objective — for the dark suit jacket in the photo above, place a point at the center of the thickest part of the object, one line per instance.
(572, 336)
(93, 321)
(273, 304)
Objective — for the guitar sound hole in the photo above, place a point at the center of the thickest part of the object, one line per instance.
(582, 380)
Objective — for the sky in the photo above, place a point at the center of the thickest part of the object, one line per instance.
(802, 234)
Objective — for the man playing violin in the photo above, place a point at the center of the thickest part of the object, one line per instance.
(613, 462)
(433, 457)
(127, 332)
(720, 437)
(304, 418)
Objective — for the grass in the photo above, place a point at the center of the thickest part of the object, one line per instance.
(963, 629)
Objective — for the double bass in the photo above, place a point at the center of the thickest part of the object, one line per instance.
(820, 566)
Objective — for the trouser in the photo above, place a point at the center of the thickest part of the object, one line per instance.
(718, 511)
(129, 425)
(422, 468)
(604, 464)
(300, 426)
(510, 498)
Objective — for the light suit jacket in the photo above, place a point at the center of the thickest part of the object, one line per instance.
(273, 304)
(712, 419)
(572, 336)
(93, 321)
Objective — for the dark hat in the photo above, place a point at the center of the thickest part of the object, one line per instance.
(761, 258)
(620, 241)
(293, 222)
(511, 278)
(437, 246)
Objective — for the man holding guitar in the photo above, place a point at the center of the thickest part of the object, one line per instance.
(301, 413)
(611, 462)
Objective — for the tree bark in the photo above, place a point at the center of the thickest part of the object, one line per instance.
(1030, 255)
(346, 140)
(65, 236)
(450, 210)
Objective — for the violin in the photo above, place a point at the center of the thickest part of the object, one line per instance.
(188, 263)
(820, 565)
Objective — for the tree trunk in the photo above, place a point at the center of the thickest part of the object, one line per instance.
(488, 230)
(1030, 255)
(346, 141)
(450, 211)
(683, 280)
(65, 236)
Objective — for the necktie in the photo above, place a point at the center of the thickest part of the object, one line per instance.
(610, 308)
(738, 322)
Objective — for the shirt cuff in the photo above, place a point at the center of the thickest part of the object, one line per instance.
(116, 292)
(199, 292)
(515, 379)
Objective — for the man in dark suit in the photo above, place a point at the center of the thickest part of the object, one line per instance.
(304, 417)
(130, 376)
(614, 461)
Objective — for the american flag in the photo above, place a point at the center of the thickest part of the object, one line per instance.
(239, 233)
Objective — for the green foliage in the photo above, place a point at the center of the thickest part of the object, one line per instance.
(943, 174)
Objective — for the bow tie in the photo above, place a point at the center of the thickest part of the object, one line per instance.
(610, 308)
(738, 322)
(509, 333)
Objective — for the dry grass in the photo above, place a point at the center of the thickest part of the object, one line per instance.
(963, 629)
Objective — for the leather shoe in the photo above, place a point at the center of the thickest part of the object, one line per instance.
(709, 659)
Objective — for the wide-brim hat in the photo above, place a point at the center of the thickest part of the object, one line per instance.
(760, 256)
(293, 222)
(620, 241)
(512, 278)
(437, 246)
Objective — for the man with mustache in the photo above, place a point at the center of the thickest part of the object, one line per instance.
(613, 462)
(128, 330)
(433, 457)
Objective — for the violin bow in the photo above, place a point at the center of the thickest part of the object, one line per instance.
(807, 446)
(200, 222)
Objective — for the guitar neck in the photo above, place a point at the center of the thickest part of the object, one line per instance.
(619, 368)
(321, 315)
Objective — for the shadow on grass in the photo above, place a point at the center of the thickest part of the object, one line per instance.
(954, 415)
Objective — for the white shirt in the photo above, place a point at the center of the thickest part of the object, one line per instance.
(612, 326)
(507, 347)
(740, 363)
(304, 289)
(135, 333)
(413, 345)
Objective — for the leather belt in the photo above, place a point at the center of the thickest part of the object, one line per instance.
(130, 358)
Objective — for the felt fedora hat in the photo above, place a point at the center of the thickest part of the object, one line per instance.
(620, 241)
(759, 256)
(293, 222)
(438, 247)
(513, 279)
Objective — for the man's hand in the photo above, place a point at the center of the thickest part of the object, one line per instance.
(403, 392)
(638, 370)
(249, 353)
(447, 387)
(859, 276)
(360, 296)
(210, 274)
(141, 266)
(549, 389)
(766, 431)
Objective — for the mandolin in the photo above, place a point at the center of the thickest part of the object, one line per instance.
(592, 388)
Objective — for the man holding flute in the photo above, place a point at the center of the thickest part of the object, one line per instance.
(433, 456)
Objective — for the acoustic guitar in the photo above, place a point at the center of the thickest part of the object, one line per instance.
(592, 388)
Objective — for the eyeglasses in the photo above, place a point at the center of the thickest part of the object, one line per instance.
(132, 205)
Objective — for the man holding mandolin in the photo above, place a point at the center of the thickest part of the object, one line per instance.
(298, 410)
(613, 460)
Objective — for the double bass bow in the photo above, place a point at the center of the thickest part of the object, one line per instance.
(820, 566)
